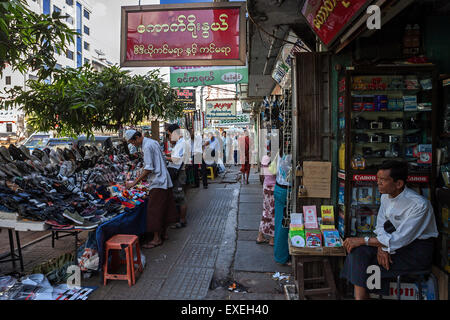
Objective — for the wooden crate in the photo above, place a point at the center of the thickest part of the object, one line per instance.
(321, 251)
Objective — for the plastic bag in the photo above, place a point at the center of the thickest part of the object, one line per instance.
(87, 254)
(273, 165)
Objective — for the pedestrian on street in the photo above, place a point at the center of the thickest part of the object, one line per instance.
(197, 154)
(235, 149)
(282, 186)
(224, 143)
(212, 148)
(244, 148)
(161, 210)
(176, 168)
(267, 225)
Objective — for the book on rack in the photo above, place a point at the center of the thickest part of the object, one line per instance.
(313, 238)
(327, 213)
(331, 238)
(310, 215)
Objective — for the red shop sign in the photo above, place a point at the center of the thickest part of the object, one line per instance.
(373, 178)
(204, 34)
(364, 177)
(329, 17)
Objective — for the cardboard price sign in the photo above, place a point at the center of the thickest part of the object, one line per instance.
(317, 179)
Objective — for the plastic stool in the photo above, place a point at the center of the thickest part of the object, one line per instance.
(123, 242)
(211, 173)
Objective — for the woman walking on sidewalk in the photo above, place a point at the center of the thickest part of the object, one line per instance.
(244, 148)
(267, 225)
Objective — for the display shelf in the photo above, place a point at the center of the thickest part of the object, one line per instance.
(362, 100)
(386, 91)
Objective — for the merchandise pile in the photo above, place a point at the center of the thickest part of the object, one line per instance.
(76, 188)
(37, 287)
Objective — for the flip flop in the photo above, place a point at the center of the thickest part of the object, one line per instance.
(151, 245)
(261, 242)
(179, 225)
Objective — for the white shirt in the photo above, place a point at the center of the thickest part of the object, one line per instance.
(177, 154)
(412, 216)
(154, 162)
(197, 144)
(214, 144)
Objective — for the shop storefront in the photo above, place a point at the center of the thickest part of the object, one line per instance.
(362, 97)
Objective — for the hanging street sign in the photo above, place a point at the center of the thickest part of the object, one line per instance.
(187, 98)
(328, 18)
(205, 76)
(194, 34)
(217, 109)
(240, 120)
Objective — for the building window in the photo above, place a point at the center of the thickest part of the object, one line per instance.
(69, 54)
(69, 2)
(56, 9)
(86, 30)
(86, 14)
(79, 48)
(46, 7)
(69, 19)
(9, 127)
(86, 46)
(58, 66)
(79, 60)
(79, 17)
(8, 80)
(32, 77)
(87, 61)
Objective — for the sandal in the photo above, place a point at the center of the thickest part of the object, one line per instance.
(261, 242)
(151, 245)
(179, 225)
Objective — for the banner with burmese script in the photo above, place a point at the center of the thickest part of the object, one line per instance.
(197, 34)
(328, 18)
(217, 109)
(206, 76)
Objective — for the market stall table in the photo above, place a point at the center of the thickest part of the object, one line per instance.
(18, 225)
(320, 255)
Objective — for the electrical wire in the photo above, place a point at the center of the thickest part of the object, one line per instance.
(271, 35)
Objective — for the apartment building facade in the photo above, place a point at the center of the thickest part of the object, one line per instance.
(82, 50)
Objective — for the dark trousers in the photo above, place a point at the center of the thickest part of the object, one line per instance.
(416, 256)
(235, 157)
(203, 173)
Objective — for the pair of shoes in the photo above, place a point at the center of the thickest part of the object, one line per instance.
(205, 187)
(73, 216)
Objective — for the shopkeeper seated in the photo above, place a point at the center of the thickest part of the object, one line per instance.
(405, 230)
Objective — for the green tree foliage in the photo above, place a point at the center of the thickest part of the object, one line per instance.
(28, 40)
(82, 100)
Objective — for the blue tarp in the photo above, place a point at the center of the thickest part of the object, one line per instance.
(130, 222)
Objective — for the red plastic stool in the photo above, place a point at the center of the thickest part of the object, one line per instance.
(126, 242)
